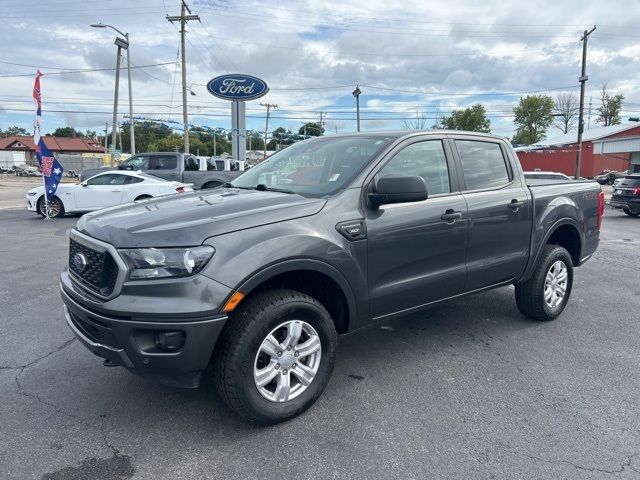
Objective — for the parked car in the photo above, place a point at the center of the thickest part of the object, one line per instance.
(546, 176)
(626, 196)
(608, 177)
(261, 275)
(101, 191)
(28, 172)
(201, 172)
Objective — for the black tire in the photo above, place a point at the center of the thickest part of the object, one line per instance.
(143, 197)
(632, 213)
(210, 185)
(238, 346)
(55, 205)
(530, 294)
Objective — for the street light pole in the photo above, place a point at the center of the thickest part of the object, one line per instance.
(356, 93)
(115, 107)
(122, 44)
(132, 135)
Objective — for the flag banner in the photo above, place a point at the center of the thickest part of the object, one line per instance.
(50, 167)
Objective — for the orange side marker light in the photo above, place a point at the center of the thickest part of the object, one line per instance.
(233, 302)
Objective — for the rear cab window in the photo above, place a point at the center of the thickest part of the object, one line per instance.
(483, 164)
(630, 181)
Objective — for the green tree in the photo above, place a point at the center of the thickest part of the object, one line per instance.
(255, 141)
(66, 132)
(90, 134)
(610, 107)
(533, 116)
(282, 136)
(174, 142)
(471, 119)
(146, 134)
(312, 129)
(13, 131)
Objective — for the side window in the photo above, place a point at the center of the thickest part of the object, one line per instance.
(163, 162)
(138, 162)
(425, 159)
(191, 164)
(107, 180)
(130, 180)
(483, 164)
(211, 164)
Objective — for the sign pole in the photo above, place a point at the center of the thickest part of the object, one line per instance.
(238, 129)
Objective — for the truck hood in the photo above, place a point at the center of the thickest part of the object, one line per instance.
(187, 219)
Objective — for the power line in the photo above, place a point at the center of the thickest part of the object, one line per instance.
(81, 70)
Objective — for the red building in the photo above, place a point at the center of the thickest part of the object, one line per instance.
(614, 148)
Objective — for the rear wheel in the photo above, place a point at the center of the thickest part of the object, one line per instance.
(546, 293)
(632, 213)
(276, 356)
(55, 210)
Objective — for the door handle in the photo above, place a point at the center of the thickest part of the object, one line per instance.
(515, 204)
(115, 191)
(450, 215)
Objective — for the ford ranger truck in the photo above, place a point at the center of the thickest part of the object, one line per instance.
(258, 277)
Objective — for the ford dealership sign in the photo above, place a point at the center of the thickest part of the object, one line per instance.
(237, 87)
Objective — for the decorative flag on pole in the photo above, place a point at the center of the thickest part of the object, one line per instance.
(51, 168)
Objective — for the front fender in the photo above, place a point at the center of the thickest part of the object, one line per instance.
(245, 259)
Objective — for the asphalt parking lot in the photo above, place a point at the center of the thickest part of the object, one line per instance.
(465, 390)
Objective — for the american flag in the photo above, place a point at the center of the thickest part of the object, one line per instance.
(51, 168)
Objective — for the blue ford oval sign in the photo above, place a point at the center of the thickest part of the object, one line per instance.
(237, 87)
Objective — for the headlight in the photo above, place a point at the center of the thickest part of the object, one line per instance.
(31, 194)
(147, 263)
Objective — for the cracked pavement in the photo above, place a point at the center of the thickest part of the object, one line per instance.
(465, 390)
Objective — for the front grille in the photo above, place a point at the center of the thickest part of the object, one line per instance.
(100, 272)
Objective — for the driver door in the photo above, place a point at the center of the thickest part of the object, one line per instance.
(417, 250)
(100, 191)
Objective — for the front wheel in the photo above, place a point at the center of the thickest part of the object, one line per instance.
(275, 357)
(56, 209)
(546, 293)
(632, 213)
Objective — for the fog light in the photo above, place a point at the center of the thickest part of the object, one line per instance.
(169, 341)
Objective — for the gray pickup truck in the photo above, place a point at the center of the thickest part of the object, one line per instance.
(325, 237)
(201, 172)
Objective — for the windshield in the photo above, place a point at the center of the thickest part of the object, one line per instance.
(315, 167)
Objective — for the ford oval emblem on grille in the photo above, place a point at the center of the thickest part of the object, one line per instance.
(80, 262)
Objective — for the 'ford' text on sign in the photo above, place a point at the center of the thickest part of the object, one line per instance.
(237, 87)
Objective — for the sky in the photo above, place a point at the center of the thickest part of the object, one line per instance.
(411, 59)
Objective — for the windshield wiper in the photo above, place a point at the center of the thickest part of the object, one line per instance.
(263, 188)
(231, 185)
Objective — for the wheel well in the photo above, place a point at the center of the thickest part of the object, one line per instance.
(142, 197)
(567, 236)
(317, 285)
(213, 184)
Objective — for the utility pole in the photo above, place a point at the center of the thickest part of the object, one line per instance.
(106, 134)
(132, 133)
(583, 78)
(183, 19)
(322, 114)
(266, 127)
(589, 115)
(356, 93)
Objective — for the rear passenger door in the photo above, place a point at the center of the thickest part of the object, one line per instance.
(499, 208)
(165, 166)
(416, 250)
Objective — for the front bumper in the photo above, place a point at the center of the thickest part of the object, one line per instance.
(625, 203)
(131, 342)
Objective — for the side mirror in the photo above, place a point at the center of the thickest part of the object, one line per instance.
(84, 184)
(397, 189)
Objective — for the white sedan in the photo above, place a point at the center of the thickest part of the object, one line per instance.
(103, 190)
